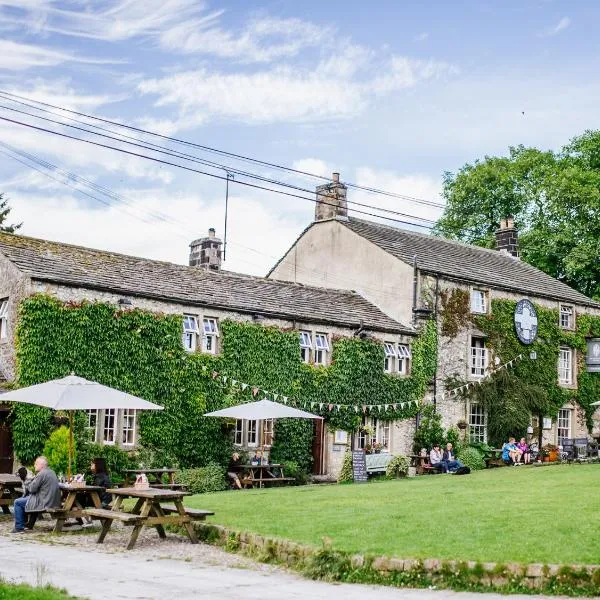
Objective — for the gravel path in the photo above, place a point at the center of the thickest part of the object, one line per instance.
(172, 568)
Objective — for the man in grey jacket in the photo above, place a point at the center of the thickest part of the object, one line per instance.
(43, 492)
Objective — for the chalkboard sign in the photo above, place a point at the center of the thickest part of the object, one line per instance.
(359, 466)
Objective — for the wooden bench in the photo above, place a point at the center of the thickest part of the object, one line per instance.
(168, 486)
(113, 515)
(195, 514)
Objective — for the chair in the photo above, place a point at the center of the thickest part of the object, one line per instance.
(568, 449)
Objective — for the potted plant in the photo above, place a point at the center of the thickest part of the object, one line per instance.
(550, 453)
(377, 447)
(462, 424)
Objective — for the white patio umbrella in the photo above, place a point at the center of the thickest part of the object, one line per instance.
(595, 403)
(260, 410)
(75, 393)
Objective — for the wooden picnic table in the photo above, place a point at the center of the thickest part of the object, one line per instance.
(155, 477)
(75, 500)
(260, 475)
(11, 488)
(148, 510)
(421, 463)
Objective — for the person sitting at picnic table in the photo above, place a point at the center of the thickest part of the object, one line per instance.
(523, 447)
(511, 455)
(43, 493)
(449, 460)
(234, 470)
(101, 478)
(256, 459)
(436, 459)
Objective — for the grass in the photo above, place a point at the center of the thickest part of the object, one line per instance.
(11, 591)
(525, 514)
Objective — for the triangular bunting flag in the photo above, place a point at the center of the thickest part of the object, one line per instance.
(244, 386)
(330, 406)
(224, 378)
(356, 409)
(215, 375)
(234, 382)
(204, 368)
(275, 396)
(285, 399)
(255, 391)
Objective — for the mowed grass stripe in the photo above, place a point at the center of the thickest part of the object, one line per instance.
(524, 514)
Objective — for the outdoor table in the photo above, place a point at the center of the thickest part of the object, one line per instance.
(155, 476)
(419, 462)
(75, 499)
(10, 490)
(147, 511)
(259, 475)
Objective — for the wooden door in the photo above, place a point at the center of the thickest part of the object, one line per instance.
(6, 443)
(318, 449)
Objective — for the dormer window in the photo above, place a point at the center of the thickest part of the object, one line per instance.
(211, 333)
(321, 348)
(403, 358)
(389, 363)
(305, 346)
(4, 319)
(566, 317)
(190, 332)
(478, 302)
(396, 359)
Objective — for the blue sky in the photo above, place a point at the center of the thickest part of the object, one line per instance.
(391, 94)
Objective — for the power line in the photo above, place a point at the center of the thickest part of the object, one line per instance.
(230, 154)
(213, 175)
(161, 149)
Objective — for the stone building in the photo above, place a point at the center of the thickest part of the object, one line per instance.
(204, 296)
(404, 274)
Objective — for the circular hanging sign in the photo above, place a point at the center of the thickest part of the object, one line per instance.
(526, 321)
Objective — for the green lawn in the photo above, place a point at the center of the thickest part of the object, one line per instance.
(9, 591)
(524, 514)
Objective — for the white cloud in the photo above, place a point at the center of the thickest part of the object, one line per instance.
(556, 29)
(315, 166)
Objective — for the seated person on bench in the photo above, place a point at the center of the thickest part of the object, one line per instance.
(436, 459)
(234, 470)
(101, 479)
(43, 493)
(511, 455)
(449, 459)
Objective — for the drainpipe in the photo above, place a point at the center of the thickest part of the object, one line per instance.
(415, 283)
(435, 312)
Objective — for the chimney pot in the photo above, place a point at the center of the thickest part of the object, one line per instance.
(336, 177)
(206, 253)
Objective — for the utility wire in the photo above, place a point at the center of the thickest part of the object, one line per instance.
(213, 175)
(161, 149)
(230, 154)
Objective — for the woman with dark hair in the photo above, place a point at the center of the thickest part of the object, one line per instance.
(101, 479)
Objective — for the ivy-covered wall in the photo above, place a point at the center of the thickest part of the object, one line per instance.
(141, 352)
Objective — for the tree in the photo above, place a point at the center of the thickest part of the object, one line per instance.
(4, 212)
(554, 197)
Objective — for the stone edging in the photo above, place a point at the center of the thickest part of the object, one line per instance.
(510, 577)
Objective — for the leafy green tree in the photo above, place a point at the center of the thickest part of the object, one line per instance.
(4, 212)
(554, 197)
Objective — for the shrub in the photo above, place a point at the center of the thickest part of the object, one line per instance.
(398, 466)
(153, 458)
(430, 430)
(292, 469)
(471, 457)
(346, 472)
(56, 450)
(203, 479)
(117, 460)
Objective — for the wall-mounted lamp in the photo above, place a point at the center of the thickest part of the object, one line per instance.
(533, 355)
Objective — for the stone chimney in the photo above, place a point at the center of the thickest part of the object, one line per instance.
(331, 200)
(206, 252)
(507, 237)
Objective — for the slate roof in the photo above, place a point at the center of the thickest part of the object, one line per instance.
(97, 269)
(436, 255)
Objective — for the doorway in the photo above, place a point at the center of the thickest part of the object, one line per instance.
(318, 447)
(6, 442)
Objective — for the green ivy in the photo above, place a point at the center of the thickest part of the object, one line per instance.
(141, 353)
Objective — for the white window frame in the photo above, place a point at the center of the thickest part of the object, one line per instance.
(564, 423)
(321, 348)
(252, 428)
(479, 302)
(389, 362)
(92, 415)
(109, 414)
(268, 432)
(565, 366)
(382, 434)
(382, 431)
(191, 331)
(128, 426)
(305, 345)
(4, 319)
(478, 355)
(210, 335)
(404, 357)
(567, 317)
(238, 433)
(477, 423)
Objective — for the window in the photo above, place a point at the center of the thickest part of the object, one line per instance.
(108, 432)
(252, 433)
(211, 333)
(238, 434)
(565, 366)
(128, 427)
(305, 346)
(373, 431)
(389, 363)
(321, 348)
(268, 432)
(4, 319)
(478, 301)
(403, 358)
(92, 423)
(383, 434)
(190, 332)
(478, 357)
(477, 424)
(563, 425)
(566, 317)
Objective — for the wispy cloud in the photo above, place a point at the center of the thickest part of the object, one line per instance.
(556, 29)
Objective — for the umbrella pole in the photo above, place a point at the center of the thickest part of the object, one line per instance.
(69, 471)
